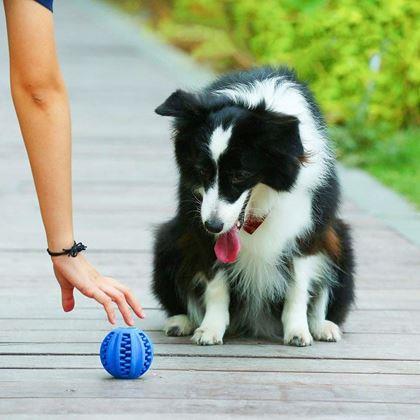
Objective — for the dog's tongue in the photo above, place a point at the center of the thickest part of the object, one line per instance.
(227, 246)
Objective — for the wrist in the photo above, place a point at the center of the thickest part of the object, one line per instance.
(72, 251)
(57, 244)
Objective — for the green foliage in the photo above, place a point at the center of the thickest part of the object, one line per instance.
(361, 59)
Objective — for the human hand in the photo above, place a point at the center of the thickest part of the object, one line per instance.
(77, 272)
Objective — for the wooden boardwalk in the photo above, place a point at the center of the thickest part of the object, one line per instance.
(124, 181)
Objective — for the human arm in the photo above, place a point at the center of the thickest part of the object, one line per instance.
(41, 102)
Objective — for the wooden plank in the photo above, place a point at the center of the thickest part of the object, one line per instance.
(88, 310)
(71, 330)
(29, 267)
(403, 389)
(152, 171)
(353, 346)
(396, 299)
(51, 297)
(8, 376)
(33, 323)
(21, 266)
(184, 409)
(386, 300)
(92, 229)
(228, 364)
(137, 269)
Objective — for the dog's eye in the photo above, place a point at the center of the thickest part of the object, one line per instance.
(238, 178)
(205, 173)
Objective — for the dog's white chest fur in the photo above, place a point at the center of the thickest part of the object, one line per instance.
(258, 265)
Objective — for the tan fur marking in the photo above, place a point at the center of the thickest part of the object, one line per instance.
(332, 243)
(305, 159)
(327, 242)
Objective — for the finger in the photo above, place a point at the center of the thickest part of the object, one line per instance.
(118, 297)
(67, 298)
(106, 302)
(129, 296)
(135, 304)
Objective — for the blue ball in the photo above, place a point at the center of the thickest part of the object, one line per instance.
(126, 353)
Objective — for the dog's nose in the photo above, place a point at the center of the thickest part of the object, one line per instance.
(214, 225)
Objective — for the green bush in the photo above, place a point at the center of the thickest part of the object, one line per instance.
(359, 57)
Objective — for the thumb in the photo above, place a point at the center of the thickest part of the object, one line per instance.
(67, 298)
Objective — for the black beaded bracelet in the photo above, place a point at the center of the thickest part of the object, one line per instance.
(71, 252)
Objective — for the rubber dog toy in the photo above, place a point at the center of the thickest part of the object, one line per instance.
(126, 353)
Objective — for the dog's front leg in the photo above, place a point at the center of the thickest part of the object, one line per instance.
(294, 316)
(216, 316)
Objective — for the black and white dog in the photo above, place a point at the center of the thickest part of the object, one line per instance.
(256, 247)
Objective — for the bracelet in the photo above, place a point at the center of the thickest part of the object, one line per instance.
(71, 252)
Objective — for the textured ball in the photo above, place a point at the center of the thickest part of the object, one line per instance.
(126, 353)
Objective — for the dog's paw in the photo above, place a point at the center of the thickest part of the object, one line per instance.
(300, 337)
(178, 325)
(326, 331)
(208, 336)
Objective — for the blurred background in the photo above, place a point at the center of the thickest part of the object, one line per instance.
(361, 59)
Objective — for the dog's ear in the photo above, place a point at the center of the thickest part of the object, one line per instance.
(284, 134)
(180, 104)
(278, 140)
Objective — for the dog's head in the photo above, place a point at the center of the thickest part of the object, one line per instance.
(224, 150)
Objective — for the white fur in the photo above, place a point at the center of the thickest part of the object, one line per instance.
(228, 213)
(219, 141)
(288, 215)
(213, 206)
(319, 307)
(325, 331)
(209, 202)
(216, 317)
(179, 325)
(294, 317)
(321, 329)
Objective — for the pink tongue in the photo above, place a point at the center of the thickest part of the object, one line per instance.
(227, 246)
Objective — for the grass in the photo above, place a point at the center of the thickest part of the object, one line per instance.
(396, 163)
(393, 159)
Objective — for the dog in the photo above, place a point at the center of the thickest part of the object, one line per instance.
(256, 247)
